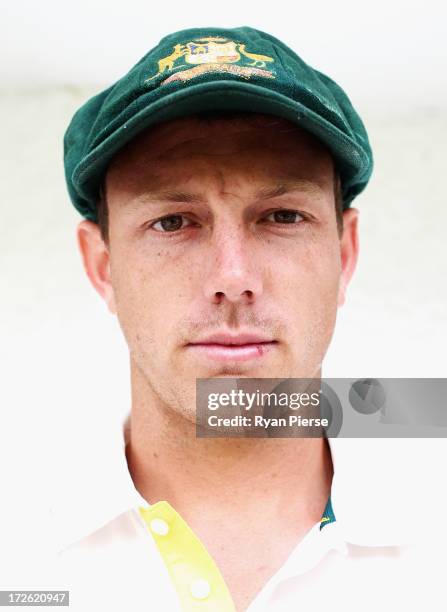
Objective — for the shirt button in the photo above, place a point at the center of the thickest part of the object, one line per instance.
(200, 589)
(159, 526)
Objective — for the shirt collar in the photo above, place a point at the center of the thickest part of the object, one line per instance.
(87, 509)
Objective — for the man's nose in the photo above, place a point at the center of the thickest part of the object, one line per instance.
(234, 272)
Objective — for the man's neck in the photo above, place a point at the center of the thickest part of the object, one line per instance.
(286, 477)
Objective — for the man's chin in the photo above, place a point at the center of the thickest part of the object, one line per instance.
(235, 370)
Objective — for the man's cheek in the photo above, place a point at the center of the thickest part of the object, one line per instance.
(134, 298)
(312, 299)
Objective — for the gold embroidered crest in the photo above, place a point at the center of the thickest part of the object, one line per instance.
(212, 54)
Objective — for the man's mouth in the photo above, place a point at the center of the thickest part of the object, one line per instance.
(233, 347)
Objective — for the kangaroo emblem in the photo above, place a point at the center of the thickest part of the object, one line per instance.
(167, 63)
(259, 60)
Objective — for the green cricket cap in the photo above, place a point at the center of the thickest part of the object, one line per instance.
(213, 69)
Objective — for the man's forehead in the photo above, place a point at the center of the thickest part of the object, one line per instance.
(254, 192)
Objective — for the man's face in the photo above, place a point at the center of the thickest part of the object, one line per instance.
(224, 256)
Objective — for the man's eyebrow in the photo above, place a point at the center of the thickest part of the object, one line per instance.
(170, 196)
(269, 192)
(161, 195)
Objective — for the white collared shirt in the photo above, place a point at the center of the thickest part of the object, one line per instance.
(111, 560)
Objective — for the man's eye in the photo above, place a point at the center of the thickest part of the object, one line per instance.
(284, 216)
(171, 223)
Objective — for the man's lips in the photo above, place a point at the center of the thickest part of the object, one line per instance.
(229, 347)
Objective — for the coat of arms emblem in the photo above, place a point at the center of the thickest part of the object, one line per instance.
(212, 54)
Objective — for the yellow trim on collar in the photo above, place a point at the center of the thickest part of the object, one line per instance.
(195, 576)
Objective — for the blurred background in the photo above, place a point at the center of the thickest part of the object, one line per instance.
(65, 368)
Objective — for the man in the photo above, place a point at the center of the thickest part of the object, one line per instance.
(216, 179)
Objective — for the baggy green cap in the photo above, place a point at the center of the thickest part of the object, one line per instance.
(213, 69)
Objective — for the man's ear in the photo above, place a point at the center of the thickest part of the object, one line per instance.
(349, 250)
(96, 259)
